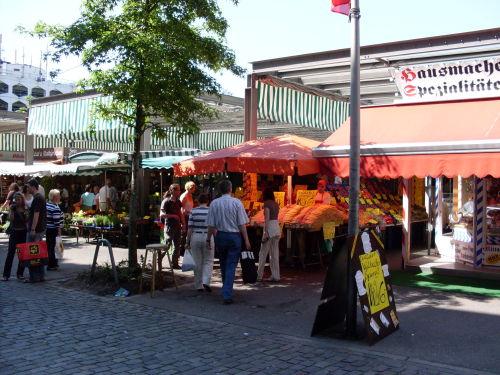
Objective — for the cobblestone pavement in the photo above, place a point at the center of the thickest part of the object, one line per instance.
(46, 329)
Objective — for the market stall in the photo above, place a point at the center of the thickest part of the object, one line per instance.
(259, 160)
(445, 139)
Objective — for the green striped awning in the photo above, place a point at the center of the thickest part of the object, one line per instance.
(54, 124)
(15, 142)
(182, 153)
(207, 141)
(72, 118)
(287, 105)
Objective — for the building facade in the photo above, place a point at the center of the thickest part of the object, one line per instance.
(20, 82)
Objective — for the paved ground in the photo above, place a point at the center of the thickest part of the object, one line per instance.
(47, 329)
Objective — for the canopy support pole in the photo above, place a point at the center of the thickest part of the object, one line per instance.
(407, 187)
(252, 105)
(29, 145)
(247, 103)
(161, 184)
(479, 223)
(353, 224)
(428, 208)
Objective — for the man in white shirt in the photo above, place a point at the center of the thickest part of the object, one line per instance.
(108, 196)
(227, 219)
(322, 196)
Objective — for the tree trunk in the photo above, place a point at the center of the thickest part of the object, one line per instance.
(134, 187)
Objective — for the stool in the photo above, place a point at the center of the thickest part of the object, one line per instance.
(158, 251)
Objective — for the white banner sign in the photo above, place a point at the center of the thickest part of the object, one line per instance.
(450, 80)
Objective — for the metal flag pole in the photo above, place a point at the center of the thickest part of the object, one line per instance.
(353, 223)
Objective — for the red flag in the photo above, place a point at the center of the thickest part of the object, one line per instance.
(341, 6)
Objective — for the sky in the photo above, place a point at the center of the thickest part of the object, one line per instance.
(266, 29)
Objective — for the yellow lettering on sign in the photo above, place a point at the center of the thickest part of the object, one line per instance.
(279, 196)
(362, 201)
(377, 195)
(329, 230)
(347, 200)
(376, 201)
(306, 197)
(384, 196)
(369, 201)
(374, 281)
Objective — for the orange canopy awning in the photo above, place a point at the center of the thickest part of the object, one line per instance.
(278, 155)
(432, 139)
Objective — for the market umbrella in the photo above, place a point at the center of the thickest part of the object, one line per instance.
(279, 155)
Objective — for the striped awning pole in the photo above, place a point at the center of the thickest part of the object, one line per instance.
(479, 220)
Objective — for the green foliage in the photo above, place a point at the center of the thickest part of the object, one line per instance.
(153, 57)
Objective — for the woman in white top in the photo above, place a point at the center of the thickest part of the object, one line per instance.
(28, 197)
(270, 238)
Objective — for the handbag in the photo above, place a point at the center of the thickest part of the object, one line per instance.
(59, 248)
(32, 252)
(248, 268)
(187, 261)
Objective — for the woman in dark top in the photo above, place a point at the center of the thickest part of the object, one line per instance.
(13, 188)
(270, 238)
(18, 217)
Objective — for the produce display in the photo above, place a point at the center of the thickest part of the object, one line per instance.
(313, 217)
(378, 206)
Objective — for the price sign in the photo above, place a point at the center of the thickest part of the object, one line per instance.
(376, 289)
(246, 205)
(329, 230)
(306, 197)
(279, 196)
(373, 283)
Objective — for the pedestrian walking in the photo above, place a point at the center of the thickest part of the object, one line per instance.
(270, 237)
(201, 250)
(227, 220)
(173, 220)
(187, 203)
(18, 217)
(37, 223)
(54, 226)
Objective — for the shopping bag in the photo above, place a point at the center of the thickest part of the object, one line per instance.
(59, 248)
(248, 268)
(187, 261)
(32, 251)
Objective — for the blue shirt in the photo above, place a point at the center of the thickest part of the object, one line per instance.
(88, 199)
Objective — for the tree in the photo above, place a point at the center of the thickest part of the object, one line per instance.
(154, 58)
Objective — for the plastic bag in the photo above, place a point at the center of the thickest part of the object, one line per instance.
(187, 261)
(59, 248)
